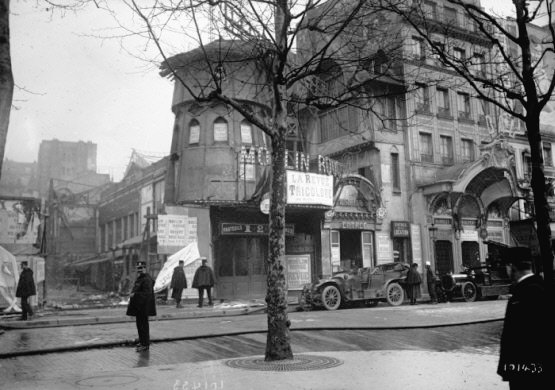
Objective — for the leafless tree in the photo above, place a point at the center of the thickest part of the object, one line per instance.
(309, 56)
(6, 77)
(517, 81)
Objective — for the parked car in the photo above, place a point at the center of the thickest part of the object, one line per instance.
(370, 285)
(483, 282)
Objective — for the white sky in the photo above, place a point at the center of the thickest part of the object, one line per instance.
(78, 87)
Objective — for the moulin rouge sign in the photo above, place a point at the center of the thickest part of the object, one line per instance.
(293, 160)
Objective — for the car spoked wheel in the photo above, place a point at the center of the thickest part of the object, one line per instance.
(331, 297)
(394, 294)
(469, 291)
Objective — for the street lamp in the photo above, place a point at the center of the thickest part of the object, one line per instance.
(432, 230)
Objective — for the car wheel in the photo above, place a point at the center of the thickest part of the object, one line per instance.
(469, 291)
(331, 297)
(394, 294)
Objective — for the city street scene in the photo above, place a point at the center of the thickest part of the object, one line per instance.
(247, 194)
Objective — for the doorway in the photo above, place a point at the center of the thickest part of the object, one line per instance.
(240, 267)
(444, 257)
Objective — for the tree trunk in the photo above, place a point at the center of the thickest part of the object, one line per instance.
(541, 206)
(6, 76)
(278, 342)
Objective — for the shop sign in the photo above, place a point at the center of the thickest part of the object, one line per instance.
(357, 225)
(309, 188)
(496, 235)
(242, 229)
(400, 229)
(298, 271)
(469, 235)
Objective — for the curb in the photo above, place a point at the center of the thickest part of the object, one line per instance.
(112, 344)
(114, 320)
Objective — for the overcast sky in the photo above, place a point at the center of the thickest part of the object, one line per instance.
(73, 87)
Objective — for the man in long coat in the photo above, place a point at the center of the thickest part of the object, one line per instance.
(178, 283)
(142, 304)
(525, 357)
(25, 289)
(413, 281)
(204, 280)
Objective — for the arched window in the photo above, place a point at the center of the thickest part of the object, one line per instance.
(246, 133)
(194, 132)
(220, 130)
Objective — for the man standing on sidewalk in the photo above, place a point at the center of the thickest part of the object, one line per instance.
(25, 289)
(178, 283)
(142, 304)
(204, 280)
(431, 282)
(527, 338)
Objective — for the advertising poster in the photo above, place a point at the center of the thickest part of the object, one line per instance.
(384, 251)
(298, 271)
(309, 188)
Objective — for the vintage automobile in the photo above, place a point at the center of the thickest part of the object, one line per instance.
(483, 282)
(369, 285)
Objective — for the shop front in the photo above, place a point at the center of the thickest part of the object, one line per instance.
(351, 236)
(471, 205)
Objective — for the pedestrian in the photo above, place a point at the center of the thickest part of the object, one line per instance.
(25, 289)
(178, 283)
(204, 280)
(413, 281)
(142, 304)
(431, 282)
(527, 338)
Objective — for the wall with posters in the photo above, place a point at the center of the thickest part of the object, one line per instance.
(19, 220)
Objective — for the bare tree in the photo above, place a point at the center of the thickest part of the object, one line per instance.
(512, 81)
(6, 77)
(308, 56)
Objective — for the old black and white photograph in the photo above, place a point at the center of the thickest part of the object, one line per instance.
(277, 194)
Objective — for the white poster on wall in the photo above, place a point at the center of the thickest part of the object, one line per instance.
(309, 188)
(384, 251)
(416, 243)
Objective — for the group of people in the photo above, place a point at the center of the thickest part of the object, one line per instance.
(142, 302)
(414, 280)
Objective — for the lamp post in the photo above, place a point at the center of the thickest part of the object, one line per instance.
(432, 230)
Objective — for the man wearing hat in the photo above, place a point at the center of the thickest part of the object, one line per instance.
(431, 282)
(178, 283)
(527, 339)
(204, 280)
(25, 289)
(142, 304)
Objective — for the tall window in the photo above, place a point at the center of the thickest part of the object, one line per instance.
(422, 98)
(426, 149)
(418, 51)
(441, 48)
(446, 150)
(450, 16)
(194, 132)
(443, 102)
(463, 103)
(430, 9)
(526, 165)
(220, 130)
(547, 156)
(459, 54)
(395, 173)
(337, 122)
(479, 64)
(467, 150)
(246, 132)
(483, 110)
(390, 114)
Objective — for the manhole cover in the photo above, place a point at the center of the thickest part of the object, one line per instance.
(298, 363)
(107, 381)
